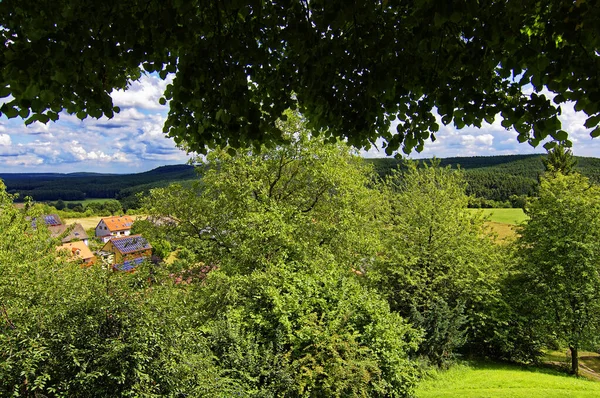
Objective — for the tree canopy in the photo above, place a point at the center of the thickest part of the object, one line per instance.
(559, 249)
(284, 233)
(351, 68)
(436, 254)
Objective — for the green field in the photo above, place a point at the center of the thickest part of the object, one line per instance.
(505, 216)
(88, 201)
(478, 380)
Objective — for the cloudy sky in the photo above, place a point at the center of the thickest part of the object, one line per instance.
(133, 141)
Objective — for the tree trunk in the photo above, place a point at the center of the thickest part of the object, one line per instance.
(574, 361)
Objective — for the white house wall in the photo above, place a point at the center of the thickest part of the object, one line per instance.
(102, 229)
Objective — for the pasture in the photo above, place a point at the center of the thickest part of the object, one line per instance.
(503, 221)
(88, 201)
(504, 216)
(484, 379)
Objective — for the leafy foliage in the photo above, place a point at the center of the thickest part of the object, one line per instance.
(307, 329)
(351, 69)
(560, 250)
(441, 269)
(70, 331)
(284, 312)
(290, 203)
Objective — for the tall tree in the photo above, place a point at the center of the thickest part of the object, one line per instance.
(287, 229)
(560, 159)
(560, 251)
(303, 200)
(440, 267)
(352, 69)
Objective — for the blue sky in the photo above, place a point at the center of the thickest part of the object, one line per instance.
(133, 141)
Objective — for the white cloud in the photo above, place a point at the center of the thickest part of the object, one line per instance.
(143, 93)
(24, 160)
(483, 140)
(5, 139)
(82, 154)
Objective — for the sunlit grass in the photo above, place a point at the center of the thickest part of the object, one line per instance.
(505, 381)
(505, 216)
(88, 201)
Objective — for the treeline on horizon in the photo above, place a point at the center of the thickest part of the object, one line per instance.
(81, 186)
(492, 181)
(497, 181)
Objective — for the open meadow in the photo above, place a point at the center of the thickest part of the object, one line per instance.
(503, 221)
(483, 379)
(504, 216)
(88, 201)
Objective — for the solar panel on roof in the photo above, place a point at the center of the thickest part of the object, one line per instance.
(126, 266)
(51, 220)
(131, 244)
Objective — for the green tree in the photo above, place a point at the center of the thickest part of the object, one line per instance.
(441, 267)
(112, 207)
(60, 205)
(287, 229)
(307, 329)
(304, 200)
(560, 251)
(352, 69)
(560, 159)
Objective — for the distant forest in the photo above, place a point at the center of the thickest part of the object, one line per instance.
(493, 181)
(498, 181)
(80, 186)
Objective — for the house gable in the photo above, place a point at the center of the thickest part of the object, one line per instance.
(69, 233)
(114, 226)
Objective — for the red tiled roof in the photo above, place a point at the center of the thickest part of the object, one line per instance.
(78, 249)
(118, 223)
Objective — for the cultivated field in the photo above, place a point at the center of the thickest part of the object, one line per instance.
(479, 380)
(503, 221)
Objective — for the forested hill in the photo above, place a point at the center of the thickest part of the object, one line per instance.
(491, 178)
(498, 178)
(79, 186)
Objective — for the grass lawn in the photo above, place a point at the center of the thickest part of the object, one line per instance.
(480, 379)
(503, 221)
(504, 216)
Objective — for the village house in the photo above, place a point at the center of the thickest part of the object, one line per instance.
(51, 220)
(116, 226)
(69, 233)
(80, 251)
(128, 251)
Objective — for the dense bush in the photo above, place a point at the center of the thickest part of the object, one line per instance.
(441, 268)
